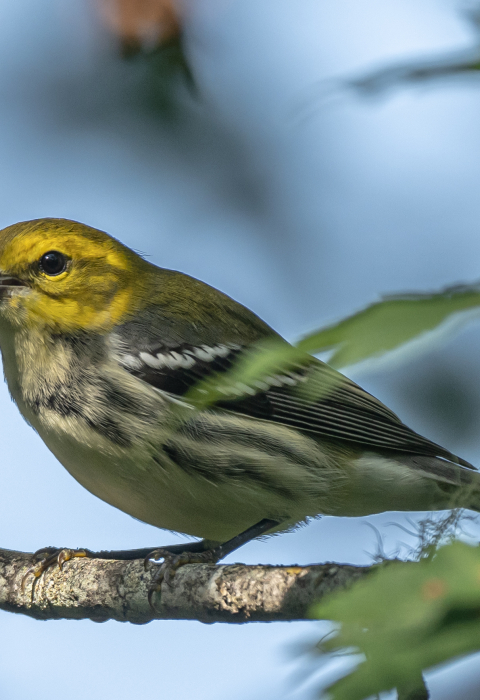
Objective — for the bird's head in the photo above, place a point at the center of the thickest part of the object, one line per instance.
(67, 276)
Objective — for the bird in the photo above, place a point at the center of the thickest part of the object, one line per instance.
(102, 352)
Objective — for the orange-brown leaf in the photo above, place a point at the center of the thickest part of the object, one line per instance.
(141, 22)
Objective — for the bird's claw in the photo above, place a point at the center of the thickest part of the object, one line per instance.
(171, 563)
(52, 556)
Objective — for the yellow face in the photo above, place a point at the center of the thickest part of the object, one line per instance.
(66, 276)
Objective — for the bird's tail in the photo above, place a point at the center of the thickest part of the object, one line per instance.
(458, 480)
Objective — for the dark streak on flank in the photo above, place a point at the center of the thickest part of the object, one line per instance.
(235, 469)
(270, 444)
(107, 427)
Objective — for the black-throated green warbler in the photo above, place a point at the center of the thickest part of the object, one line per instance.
(100, 348)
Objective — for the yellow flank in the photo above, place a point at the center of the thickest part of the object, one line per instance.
(100, 287)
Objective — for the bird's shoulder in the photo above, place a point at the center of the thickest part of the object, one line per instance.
(187, 332)
(178, 309)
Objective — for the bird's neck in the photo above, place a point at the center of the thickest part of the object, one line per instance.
(41, 368)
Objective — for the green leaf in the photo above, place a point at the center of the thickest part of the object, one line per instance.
(254, 370)
(406, 617)
(263, 359)
(381, 327)
(390, 323)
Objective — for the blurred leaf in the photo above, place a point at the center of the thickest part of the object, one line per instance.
(390, 323)
(140, 23)
(406, 617)
(166, 70)
(456, 65)
(150, 34)
(461, 63)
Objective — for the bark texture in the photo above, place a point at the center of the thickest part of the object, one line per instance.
(117, 590)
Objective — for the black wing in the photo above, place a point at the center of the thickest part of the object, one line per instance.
(344, 412)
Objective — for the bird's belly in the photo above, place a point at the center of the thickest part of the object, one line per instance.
(217, 491)
(161, 494)
(217, 486)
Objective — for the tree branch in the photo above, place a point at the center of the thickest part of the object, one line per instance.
(117, 590)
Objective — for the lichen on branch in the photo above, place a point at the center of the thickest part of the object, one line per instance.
(101, 590)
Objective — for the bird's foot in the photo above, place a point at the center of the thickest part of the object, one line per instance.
(170, 565)
(51, 556)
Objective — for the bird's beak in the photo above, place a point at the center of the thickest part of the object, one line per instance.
(7, 283)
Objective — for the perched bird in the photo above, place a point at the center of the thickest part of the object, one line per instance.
(101, 350)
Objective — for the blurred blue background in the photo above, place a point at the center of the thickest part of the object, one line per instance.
(302, 208)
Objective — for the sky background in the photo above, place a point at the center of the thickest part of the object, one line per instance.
(303, 208)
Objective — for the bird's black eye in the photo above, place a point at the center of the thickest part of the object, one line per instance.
(53, 263)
